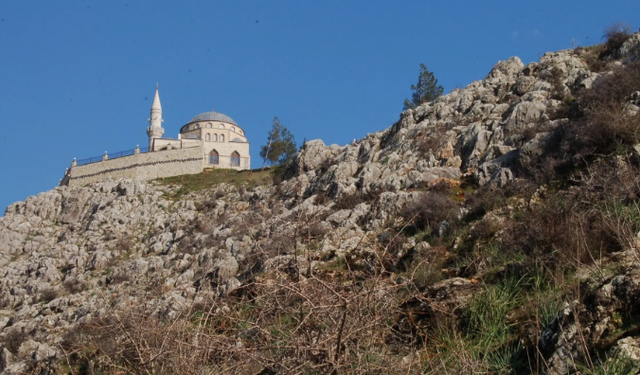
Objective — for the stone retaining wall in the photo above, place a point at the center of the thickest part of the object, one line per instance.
(139, 167)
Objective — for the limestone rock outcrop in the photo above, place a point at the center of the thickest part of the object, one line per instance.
(73, 254)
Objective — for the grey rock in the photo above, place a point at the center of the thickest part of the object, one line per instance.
(523, 85)
(525, 114)
(226, 268)
(493, 174)
(339, 217)
(506, 69)
(628, 347)
(630, 49)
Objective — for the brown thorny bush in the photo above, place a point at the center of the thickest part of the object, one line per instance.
(571, 223)
(590, 165)
(600, 122)
(269, 326)
(284, 320)
(615, 35)
(431, 209)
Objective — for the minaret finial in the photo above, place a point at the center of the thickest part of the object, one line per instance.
(156, 86)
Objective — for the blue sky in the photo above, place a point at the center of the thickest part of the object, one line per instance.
(77, 77)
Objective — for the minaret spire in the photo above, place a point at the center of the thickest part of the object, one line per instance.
(155, 129)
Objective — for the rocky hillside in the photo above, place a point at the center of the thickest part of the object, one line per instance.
(490, 231)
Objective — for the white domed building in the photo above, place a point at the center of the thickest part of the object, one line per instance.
(209, 140)
(223, 141)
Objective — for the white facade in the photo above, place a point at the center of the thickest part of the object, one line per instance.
(224, 143)
(209, 140)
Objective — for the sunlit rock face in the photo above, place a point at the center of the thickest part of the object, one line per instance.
(78, 253)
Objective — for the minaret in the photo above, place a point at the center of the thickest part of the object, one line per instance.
(155, 129)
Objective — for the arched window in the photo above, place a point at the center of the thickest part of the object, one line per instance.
(215, 138)
(233, 128)
(214, 158)
(209, 125)
(235, 159)
(221, 137)
(221, 126)
(207, 137)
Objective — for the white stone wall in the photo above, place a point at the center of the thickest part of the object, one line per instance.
(164, 143)
(140, 167)
(225, 138)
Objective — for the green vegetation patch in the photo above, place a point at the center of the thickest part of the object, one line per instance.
(211, 177)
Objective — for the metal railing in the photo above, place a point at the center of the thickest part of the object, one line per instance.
(115, 155)
(90, 160)
(120, 154)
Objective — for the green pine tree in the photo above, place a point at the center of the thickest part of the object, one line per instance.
(426, 90)
(281, 145)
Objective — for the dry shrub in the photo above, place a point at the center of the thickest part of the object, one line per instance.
(187, 245)
(614, 185)
(560, 233)
(322, 198)
(125, 243)
(47, 295)
(73, 285)
(118, 277)
(591, 55)
(613, 90)
(519, 136)
(424, 265)
(521, 187)
(283, 173)
(557, 87)
(600, 123)
(429, 210)
(615, 35)
(484, 228)
(206, 206)
(240, 225)
(219, 193)
(310, 326)
(432, 141)
(204, 225)
(279, 244)
(317, 230)
(483, 200)
(348, 201)
(327, 163)
(13, 339)
(610, 179)
(392, 248)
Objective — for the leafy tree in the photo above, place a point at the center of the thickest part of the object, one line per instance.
(426, 90)
(281, 146)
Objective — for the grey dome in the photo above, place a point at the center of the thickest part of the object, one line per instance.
(212, 116)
